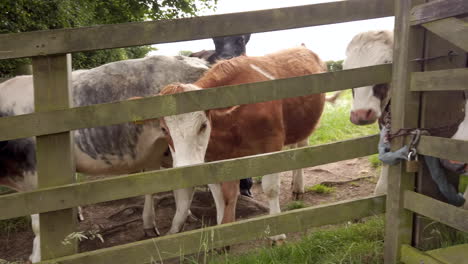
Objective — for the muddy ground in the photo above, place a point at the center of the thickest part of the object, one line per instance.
(119, 221)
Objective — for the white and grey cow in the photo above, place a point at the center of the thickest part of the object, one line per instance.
(117, 149)
(372, 48)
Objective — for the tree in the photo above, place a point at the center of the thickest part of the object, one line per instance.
(185, 53)
(334, 65)
(30, 15)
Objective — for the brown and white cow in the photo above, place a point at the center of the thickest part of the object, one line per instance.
(367, 49)
(246, 129)
(369, 102)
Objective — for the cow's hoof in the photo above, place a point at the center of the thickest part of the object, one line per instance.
(297, 196)
(192, 218)
(152, 232)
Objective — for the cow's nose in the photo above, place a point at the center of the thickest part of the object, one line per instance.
(226, 56)
(363, 116)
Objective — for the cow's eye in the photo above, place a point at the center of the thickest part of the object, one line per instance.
(164, 130)
(203, 127)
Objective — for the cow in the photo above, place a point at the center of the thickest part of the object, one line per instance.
(117, 149)
(246, 129)
(225, 48)
(370, 102)
(367, 49)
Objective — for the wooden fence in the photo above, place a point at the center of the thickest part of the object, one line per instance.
(426, 94)
(54, 119)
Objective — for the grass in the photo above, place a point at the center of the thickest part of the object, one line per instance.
(374, 160)
(344, 244)
(321, 189)
(335, 124)
(295, 205)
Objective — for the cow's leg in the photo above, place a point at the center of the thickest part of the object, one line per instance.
(230, 191)
(271, 188)
(381, 187)
(183, 199)
(298, 176)
(219, 201)
(36, 251)
(149, 217)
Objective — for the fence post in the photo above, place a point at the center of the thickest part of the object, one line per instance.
(404, 106)
(55, 164)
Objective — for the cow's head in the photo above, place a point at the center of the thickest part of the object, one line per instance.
(187, 134)
(230, 46)
(367, 49)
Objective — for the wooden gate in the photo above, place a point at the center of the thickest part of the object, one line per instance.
(429, 76)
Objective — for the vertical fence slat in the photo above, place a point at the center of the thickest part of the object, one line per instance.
(55, 164)
(408, 45)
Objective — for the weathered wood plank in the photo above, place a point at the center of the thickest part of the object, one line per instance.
(451, 29)
(404, 107)
(72, 195)
(43, 123)
(218, 236)
(453, 254)
(153, 32)
(442, 80)
(444, 148)
(410, 255)
(439, 211)
(55, 164)
(437, 10)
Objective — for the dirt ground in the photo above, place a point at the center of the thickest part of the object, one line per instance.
(119, 222)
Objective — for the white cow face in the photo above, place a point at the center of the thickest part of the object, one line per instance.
(367, 49)
(188, 136)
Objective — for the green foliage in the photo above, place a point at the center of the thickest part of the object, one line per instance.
(346, 244)
(30, 15)
(334, 65)
(320, 188)
(185, 53)
(463, 183)
(14, 225)
(295, 205)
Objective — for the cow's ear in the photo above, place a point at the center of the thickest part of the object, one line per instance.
(246, 38)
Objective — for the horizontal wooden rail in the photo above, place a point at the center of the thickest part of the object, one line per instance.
(43, 123)
(410, 255)
(437, 10)
(452, 255)
(186, 243)
(452, 29)
(439, 211)
(444, 148)
(72, 195)
(143, 33)
(442, 80)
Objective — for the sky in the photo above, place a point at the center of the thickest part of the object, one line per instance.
(328, 41)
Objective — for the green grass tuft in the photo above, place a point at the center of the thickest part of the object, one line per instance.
(295, 205)
(374, 160)
(320, 188)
